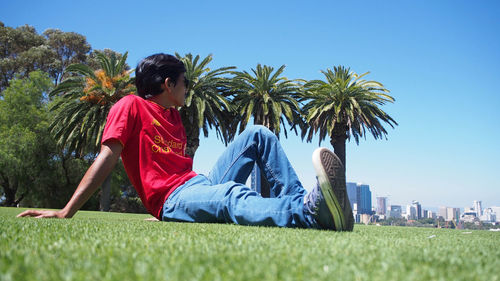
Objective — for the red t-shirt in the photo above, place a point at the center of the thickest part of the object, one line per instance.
(154, 144)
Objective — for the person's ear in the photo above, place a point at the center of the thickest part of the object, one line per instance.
(168, 84)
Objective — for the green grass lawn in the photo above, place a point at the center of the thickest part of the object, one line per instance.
(111, 246)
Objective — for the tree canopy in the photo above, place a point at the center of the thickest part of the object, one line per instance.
(26, 149)
(82, 103)
(268, 97)
(343, 106)
(23, 50)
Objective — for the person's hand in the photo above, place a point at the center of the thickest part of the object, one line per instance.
(42, 214)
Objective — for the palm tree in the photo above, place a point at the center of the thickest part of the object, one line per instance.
(268, 98)
(205, 105)
(82, 103)
(345, 106)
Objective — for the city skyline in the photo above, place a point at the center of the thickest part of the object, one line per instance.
(360, 197)
(437, 58)
(435, 209)
(429, 207)
(387, 204)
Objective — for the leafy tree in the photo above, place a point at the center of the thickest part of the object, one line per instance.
(205, 105)
(267, 97)
(23, 50)
(22, 121)
(83, 103)
(20, 50)
(345, 106)
(27, 152)
(394, 221)
(69, 47)
(30, 165)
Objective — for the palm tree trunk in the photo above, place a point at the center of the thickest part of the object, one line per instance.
(192, 133)
(105, 194)
(65, 169)
(193, 140)
(339, 149)
(191, 147)
(338, 141)
(259, 180)
(9, 193)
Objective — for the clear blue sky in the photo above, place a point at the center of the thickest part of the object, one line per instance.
(439, 59)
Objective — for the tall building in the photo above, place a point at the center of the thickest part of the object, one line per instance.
(418, 209)
(496, 210)
(489, 215)
(395, 211)
(366, 198)
(381, 205)
(352, 193)
(361, 195)
(425, 214)
(411, 212)
(452, 214)
(443, 212)
(469, 216)
(477, 208)
(431, 215)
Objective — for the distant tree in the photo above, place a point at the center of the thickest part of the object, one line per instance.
(427, 221)
(205, 106)
(25, 145)
(23, 50)
(345, 106)
(69, 47)
(82, 104)
(32, 170)
(394, 221)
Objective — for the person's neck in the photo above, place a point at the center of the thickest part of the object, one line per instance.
(161, 100)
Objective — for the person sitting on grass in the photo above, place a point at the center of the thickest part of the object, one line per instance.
(146, 130)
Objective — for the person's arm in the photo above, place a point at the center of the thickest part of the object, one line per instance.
(93, 178)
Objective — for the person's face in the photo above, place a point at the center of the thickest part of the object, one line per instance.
(177, 92)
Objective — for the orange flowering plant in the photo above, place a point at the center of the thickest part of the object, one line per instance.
(104, 89)
(83, 99)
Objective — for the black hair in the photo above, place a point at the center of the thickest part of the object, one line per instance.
(152, 71)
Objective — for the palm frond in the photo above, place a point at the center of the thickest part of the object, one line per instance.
(345, 100)
(205, 104)
(270, 96)
(81, 108)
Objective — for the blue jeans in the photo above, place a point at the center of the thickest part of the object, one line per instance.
(222, 197)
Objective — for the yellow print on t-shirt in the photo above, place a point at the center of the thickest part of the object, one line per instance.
(155, 123)
(162, 146)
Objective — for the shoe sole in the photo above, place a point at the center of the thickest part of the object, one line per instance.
(331, 178)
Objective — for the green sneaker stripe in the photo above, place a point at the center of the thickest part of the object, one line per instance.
(334, 206)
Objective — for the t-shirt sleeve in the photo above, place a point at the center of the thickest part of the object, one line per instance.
(120, 122)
